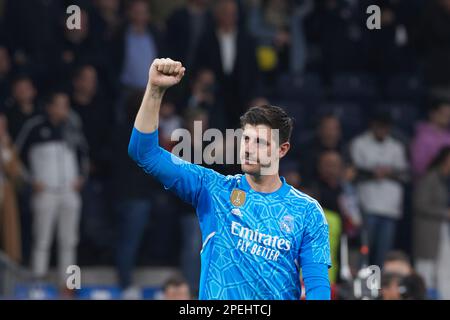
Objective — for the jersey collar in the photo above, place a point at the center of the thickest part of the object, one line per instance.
(282, 191)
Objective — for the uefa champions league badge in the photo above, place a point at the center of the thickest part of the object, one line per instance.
(237, 198)
(287, 224)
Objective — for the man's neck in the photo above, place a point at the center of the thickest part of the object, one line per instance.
(83, 98)
(26, 107)
(265, 184)
(138, 29)
(226, 30)
(195, 8)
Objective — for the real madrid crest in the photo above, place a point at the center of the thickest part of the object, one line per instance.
(238, 197)
(287, 224)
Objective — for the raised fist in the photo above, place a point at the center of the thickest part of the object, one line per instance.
(165, 73)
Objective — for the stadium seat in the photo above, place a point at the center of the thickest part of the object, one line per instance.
(405, 87)
(404, 115)
(355, 87)
(351, 115)
(307, 88)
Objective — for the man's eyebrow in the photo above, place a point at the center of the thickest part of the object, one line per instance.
(262, 140)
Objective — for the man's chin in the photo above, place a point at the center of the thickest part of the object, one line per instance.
(252, 169)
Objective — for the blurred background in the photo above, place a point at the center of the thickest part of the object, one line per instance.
(371, 139)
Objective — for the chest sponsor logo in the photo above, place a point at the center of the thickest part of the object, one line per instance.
(258, 243)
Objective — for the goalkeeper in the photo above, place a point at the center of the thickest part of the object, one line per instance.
(258, 232)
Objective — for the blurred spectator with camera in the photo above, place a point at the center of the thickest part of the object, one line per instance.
(432, 224)
(55, 154)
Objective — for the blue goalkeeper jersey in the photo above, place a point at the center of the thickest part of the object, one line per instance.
(254, 244)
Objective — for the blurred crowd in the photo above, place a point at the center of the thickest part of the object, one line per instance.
(371, 139)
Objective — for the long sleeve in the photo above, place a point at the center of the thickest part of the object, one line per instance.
(317, 283)
(183, 178)
(425, 203)
(315, 258)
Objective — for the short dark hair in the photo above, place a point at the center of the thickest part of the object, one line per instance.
(272, 116)
(174, 281)
(397, 256)
(21, 77)
(382, 118)
(50, 97)
(436, 102)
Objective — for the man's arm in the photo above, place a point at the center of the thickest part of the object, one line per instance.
(163, 74)
(315, 255)
(177, 175)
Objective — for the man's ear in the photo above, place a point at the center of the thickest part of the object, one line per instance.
(284, 148)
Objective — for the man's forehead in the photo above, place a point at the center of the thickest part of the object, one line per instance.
(257, 130)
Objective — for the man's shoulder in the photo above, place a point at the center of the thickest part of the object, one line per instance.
(301, 199)
(217, 178)
(362, 139)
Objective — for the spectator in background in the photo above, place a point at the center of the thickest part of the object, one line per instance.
(430, 136)
(382, 167)
(185, 28)
(136, 46)
(139, 43)
(176, 288)
(204, 96)
(33, 37)
(133, 194)
(106, 24)
(78, 46)
(169, 121)
(106, 21)
(10, 177)
(5, 74)
(397, 262)
(22, 107)
(395, 286)
(328, 137)
(432, 226)
(23, 104)
(94, 110)
(52, 145)
(89, 102)
(269, 22)
(277, 26)
(327, 189)
(229, 52)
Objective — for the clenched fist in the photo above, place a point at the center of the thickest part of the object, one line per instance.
(165, 73)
